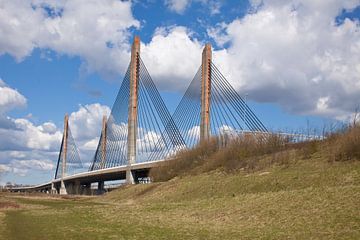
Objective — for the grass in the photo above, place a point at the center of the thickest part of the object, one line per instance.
(253, 153)
(295, 192)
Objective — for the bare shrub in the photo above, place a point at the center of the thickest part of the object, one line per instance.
(185, 161)
(345, 145)
(242, 152)
(255, 152)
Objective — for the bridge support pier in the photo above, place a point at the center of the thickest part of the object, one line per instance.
(130, 179)
(63, 169)
(53, 189)
(101, 188)
(86, 189)
(62, 188)
(73, 188)
(77, 187)
(133, 105)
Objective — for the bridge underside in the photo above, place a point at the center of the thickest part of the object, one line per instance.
(81, 183)
(140, 130)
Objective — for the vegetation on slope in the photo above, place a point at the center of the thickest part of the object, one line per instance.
(301, 191)
(253, 153)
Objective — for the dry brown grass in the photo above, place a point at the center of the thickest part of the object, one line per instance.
(252, 153)
(241, 153)
(7, 205)
(345, 145)
(185, 161)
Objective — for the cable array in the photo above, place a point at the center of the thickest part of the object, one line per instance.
(157, 134)
(229, 113)
(73, 161)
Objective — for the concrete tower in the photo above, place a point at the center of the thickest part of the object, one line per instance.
(205, 93)
(133, 107)
(103, 145)
(64, 154)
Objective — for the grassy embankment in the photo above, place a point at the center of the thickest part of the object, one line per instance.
(249, 190)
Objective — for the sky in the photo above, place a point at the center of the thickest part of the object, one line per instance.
(296, 61)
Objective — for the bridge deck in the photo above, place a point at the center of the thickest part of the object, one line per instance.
(107, 174)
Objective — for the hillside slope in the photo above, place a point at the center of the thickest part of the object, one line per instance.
(264, 191)
(311, 199)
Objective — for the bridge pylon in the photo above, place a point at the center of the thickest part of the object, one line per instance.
(133, 107)
(103, 139)
(63, 169)
(205, 93)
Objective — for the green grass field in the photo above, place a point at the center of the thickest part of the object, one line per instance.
(307, 199)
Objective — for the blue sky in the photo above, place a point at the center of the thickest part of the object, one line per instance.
(298, 68)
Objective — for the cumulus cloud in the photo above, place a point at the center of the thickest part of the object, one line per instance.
(36, 147)
(23, 144)
(292, 53)
(21, 167)
(178, 6)
(10, 98)
(286, 52)
(21, 133)
(194, 132)
(172, 48)
(21, 162)
(86, 125)
(26, 147)
(100, 37)
(26, 136)
(87, 121)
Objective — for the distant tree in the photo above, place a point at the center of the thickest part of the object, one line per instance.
(356, 116)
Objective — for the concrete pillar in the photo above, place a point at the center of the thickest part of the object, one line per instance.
(53, 189)
(63, 170)
(103, 148)
(101, 187)
(87, 189)
(133, 104)
(76, 187)
(62, 188)
(205, 93)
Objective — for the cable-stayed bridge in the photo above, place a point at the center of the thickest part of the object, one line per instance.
(140, 132)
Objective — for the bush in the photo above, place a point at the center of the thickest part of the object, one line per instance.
(185, 161)
(345, 145)
(255, 152)
(242, 152)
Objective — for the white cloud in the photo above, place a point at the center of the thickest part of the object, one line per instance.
(10, 98)
(91, 144)
(172, 57)
(177, 6)
(21, 133)
(87, 121)
(24, 146)
(48, 127)
(44, 165)
(97, 31)
(25, 136)
(194, 132)
(28, 146)
(294, 54)
(22, 167)
(86, 125)
(4, 168)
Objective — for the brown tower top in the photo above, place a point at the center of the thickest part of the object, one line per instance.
(205, 93)
(136, 45)
(206, 54)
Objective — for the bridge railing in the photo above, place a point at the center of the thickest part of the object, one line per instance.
(227, 135)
